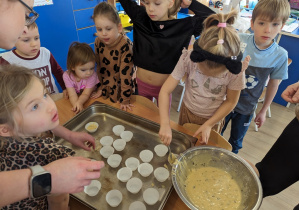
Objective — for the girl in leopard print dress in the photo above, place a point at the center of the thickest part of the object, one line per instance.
(114, 50)
(28, 122)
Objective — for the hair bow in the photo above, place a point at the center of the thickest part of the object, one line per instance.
(233, 63)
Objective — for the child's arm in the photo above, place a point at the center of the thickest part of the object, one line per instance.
(201, 13)
(224, 109)
(70, 84)
(272, 88)
(58, 201)
(131, 8)
(73, 97)
(198, 8)
(78, 106)
(165, 133)
(76, 138)
(126, 73)
(58, 72)
(98, 92)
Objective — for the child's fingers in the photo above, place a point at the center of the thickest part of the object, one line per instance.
(129, 107)
(168, 142)
(200, 141)
(196, 133)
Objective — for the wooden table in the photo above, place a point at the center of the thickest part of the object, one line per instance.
(65, 113)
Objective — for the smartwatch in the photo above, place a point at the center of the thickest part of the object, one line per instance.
(40, 182)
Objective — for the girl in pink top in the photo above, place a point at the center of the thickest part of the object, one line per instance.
(213, 79)
(80, 79)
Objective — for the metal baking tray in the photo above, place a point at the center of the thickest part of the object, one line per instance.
(145, 137)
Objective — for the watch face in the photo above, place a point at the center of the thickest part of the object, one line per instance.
(41, 185)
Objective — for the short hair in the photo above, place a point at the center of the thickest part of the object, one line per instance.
(79, 54)
(212, 33)
(272, 10)
(32, 26)
(107, 10)
(15, 82)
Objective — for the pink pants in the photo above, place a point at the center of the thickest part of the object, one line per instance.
(150, 91)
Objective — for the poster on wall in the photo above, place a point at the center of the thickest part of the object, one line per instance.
(42, 2)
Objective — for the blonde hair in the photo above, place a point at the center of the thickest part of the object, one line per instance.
(272, 10)
(212, 33)
(108, 11)
(174, 9)
(32, 26)
(15, 82)
(79, 54)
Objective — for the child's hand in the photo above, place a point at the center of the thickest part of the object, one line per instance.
(165, 134)
(260, 119)
(96, 94)
(245, 63)
(65, 94)
(186, 3)
(78, 107)
(80, 138)
(126, 106)
(204, 134)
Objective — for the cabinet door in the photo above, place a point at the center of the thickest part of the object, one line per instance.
(82, 4)
(83, 18)
(87, 35)
(57, 28)
(289, 43)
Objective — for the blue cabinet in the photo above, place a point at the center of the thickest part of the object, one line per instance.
(64, 22)
(289, 42)
(83, 18)
(80, 4)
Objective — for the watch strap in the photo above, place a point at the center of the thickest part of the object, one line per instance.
(40, 182)
(36, 169)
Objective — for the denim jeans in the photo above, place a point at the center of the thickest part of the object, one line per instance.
(239, 127)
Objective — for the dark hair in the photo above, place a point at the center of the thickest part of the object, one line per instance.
(79, 54)
(107, 10)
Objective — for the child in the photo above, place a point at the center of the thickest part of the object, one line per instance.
(268, 61)
(80, 78)
(114, 50)
(26, 117)
(159, 39)
(30, 54)
(214, 79)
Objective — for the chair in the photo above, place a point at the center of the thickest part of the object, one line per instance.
(182, 83)
(262, 97)
(215, 138)
(145, 102)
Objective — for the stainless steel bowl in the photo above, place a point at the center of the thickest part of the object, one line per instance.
(220, 158)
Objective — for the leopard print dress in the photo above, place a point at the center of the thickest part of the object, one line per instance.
(22, 153)
(115, 69)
